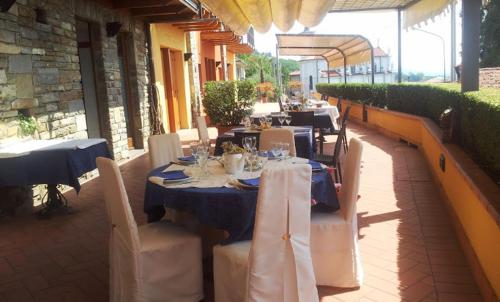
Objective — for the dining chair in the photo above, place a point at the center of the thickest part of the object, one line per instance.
(276, 264)
(334, 241)
(302, 118)
(202, 128)
(332, 131)
(277, 135)
(163, 149)
(334, 159)
(153, 262)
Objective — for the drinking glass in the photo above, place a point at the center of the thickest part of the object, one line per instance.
(202, 162)
(288, 119)
(194, 151)
(263, 157)
(262, 120)
(281, 118)
(253, 142)
(276, 149)
(285, 150)
(269, 120)
(251, 159)
(247, 143)
(247, 122)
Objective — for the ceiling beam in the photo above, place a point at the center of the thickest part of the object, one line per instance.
(140, 3)
(170, 18)
(156, 11)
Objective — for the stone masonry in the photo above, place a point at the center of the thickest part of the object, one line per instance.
(40, 72)
(488, 77)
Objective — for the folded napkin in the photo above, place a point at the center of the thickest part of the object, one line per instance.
(253, 182)
(174, 175)
(315, 165)
(186, 158)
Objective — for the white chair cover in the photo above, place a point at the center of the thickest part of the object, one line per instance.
(334, 237)
(277, 263)
(277, 135)
(202, 128)
(164, 148)
(155, 262)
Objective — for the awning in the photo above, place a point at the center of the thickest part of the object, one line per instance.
(234, 42)
(333, 48)
(239, 15)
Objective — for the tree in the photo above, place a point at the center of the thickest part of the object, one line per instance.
(261, 64)
(490, 35)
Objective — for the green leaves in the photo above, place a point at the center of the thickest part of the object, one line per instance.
(479, 111)
(227, 102)
(27, 125)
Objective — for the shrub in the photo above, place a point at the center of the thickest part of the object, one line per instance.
(228, 102)
(479, 132)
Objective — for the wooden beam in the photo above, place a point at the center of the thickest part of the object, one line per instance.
(170, 18)
(140, 3)
(156, 11)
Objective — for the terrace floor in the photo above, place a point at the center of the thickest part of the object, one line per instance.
(408, 246)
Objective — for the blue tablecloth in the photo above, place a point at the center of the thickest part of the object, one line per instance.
(322, 121)
(225, 208)
(57, 164)
(304, 141)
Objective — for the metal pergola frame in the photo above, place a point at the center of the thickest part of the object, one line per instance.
(330, 48)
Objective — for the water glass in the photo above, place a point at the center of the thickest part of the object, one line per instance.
(251, 159)
(202, 162)
(285, 150)
(263, 157)
(276, 149)
(269, 120)
(194, 150)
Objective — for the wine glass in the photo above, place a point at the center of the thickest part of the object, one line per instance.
(285, 150)
(276, 150)
(288, 119)
(247, 143)
(253, 142)
(194, 151)
(281, 118)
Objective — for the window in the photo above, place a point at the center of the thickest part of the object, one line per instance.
(310, 82)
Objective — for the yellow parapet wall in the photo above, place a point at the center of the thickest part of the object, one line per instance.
(478, 220)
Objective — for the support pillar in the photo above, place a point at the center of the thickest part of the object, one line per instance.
(453, 39)
(400, 75)
(471, 10)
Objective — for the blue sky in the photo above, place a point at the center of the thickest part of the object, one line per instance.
(421, 51)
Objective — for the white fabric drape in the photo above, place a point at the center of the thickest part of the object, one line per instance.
(155, 262)
(334, 236)
(276, 265)
(202, 128)
(277, 135)
(424, 10)
(163, 149)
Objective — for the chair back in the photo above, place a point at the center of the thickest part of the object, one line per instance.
(280, 264)
(125, 276)
(338, 144)
(202, 128)
(339, 103)
(345, 116)
(277, 135)
(163, 149)
(303, 118)
(350, 187)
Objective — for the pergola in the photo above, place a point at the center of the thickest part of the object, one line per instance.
(336, 50)
(240, 15)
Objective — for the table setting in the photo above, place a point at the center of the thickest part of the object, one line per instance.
(221, 191)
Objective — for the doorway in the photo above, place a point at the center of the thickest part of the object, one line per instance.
(123, 40)
(92, 113)
(173, 78)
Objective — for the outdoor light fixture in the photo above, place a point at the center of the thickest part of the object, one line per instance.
(5, 5)
(188, 56)
(217, 63)
(112, 28)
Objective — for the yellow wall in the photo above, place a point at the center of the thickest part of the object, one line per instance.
(231, 59)
(167, 36)
(465, 198)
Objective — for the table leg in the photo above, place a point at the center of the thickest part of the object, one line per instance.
(55, 202)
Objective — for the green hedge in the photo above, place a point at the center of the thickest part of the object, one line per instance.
(479, 112)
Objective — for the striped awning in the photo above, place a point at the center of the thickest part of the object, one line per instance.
(333, 48)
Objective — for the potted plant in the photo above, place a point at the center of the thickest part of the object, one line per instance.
(226, 103)
(27, 125)
(233, 158)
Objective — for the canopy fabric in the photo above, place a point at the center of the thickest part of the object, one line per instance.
(423, 11)
(240, 14)
(333, 48)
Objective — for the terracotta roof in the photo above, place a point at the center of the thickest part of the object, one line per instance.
(378, 52)
(294, 73)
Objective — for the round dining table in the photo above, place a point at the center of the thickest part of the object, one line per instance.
(221, 204)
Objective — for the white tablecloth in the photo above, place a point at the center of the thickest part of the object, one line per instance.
(332, 111)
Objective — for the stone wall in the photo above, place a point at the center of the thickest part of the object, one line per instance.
(488, 77)
(40, 72)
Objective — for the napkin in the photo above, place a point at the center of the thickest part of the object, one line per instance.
(315, 165)
(253, 182)
(174, 175)
(186, 158)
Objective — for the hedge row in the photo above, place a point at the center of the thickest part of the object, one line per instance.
(479, 132)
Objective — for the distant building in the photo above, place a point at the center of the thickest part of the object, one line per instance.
(313, 71)
(295, 75)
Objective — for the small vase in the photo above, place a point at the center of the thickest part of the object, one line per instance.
(233, 163)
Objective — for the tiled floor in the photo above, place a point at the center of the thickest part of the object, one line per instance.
(408, 247)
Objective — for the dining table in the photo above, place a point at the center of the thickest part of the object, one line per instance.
(219, 200)
(303, 136)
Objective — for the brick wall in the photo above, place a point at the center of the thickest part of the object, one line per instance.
(489, 77)
(40, 72)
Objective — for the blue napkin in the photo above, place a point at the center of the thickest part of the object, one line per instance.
(174, 175)
(315, 165)
(186, 158)
(253, 182)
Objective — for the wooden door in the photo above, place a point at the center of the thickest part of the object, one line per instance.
(171, 88)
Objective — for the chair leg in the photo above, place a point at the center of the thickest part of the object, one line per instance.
(321, 139)
(346, 147)
(339, 173)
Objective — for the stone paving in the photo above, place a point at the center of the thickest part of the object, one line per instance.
(408, 246)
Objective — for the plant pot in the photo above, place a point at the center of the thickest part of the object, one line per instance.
(221, 129)
(263, 99)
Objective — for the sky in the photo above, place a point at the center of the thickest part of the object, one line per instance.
(421, 52)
